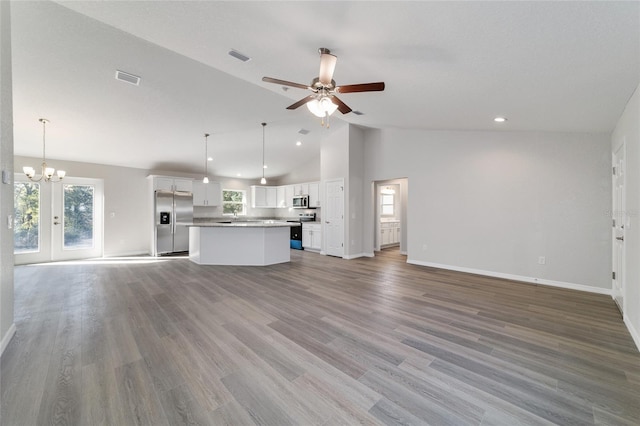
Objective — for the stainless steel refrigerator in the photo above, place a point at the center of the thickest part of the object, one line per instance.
(173, 209)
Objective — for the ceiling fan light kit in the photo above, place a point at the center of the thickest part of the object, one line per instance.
(324, 102)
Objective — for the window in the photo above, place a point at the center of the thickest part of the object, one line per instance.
(26, 236)
(387, 204)
(234, 202)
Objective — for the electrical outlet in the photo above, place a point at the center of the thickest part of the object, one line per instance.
(542, 260)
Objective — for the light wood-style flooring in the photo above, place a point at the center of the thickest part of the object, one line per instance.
(318, 341)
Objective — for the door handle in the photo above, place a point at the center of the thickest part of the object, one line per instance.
(620, 238)
(56, 223)
(326, 221)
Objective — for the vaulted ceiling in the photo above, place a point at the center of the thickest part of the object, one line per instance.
(546, 66)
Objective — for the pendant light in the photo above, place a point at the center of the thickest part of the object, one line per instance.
(206, 160)
(47, 172)
(263, 181)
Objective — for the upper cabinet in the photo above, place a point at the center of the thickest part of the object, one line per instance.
(314, 194)
(264, 196)
(301, 189)
(164, 183)
(282, 196)
(207, 194)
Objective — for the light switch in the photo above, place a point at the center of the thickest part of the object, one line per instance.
(10, 221)
(6, 176)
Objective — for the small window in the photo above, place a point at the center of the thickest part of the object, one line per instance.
(387, 205)
(234, 202)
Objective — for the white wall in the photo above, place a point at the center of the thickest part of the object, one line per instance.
(309, 172)
(7, 328)
(334, 164)
(125, 195)
(493, 202)
(355, 195)
(628, 131)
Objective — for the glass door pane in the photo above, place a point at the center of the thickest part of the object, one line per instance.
(26, 230)
(78, 217)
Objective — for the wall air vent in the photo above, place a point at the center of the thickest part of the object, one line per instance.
(238, 55)
(303, 131)
(128, 78)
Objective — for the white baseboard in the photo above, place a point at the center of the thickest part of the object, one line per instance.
(127, 254)
(521, 278)
(633, 332)
(7, 338)
(355, 256)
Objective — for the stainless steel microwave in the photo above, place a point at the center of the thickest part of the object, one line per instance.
(301, 202)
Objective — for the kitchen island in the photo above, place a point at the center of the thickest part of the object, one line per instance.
(252, 243)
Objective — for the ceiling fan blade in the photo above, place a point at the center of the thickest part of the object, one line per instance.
(285, 83)
(342, 107)
(327, 67)
(365, 87)
(301, 102)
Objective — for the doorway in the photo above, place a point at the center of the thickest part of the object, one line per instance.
(619, 222)
(390, 219)
(57, 221)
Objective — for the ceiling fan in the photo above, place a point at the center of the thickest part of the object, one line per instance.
(323, 102)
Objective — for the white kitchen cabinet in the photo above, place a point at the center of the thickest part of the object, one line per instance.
(312, 236)
(389, 233)
(167, 183)
(289, 193)
(264, 196)
(314, 194)
(301, 189)
(281, 196)
(207, 194)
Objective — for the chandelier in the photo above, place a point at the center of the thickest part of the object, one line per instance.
(47, 172)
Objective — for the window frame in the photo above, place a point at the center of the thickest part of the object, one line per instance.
(392, 204)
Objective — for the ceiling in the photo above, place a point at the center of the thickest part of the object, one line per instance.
(546, 66)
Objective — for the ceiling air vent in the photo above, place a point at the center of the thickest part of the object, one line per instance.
(303, 131)
(128, 78)
(238, 55)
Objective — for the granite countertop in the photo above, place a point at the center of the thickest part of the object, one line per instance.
(241, 224)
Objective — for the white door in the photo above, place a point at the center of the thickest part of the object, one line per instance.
(619, 222)
(333, 213)
(57, 221)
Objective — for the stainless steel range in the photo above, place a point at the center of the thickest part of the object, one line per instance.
(296, 231)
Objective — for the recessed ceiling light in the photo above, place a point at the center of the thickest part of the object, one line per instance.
(298, 143)
(499, 119)
(264, 166)
(238, 55)
(239, 174)
(210, 159)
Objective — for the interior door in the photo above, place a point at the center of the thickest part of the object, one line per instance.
(619, 222)
(57, 221)
(334, 218)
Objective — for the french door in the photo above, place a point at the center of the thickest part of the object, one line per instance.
(57, 221)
